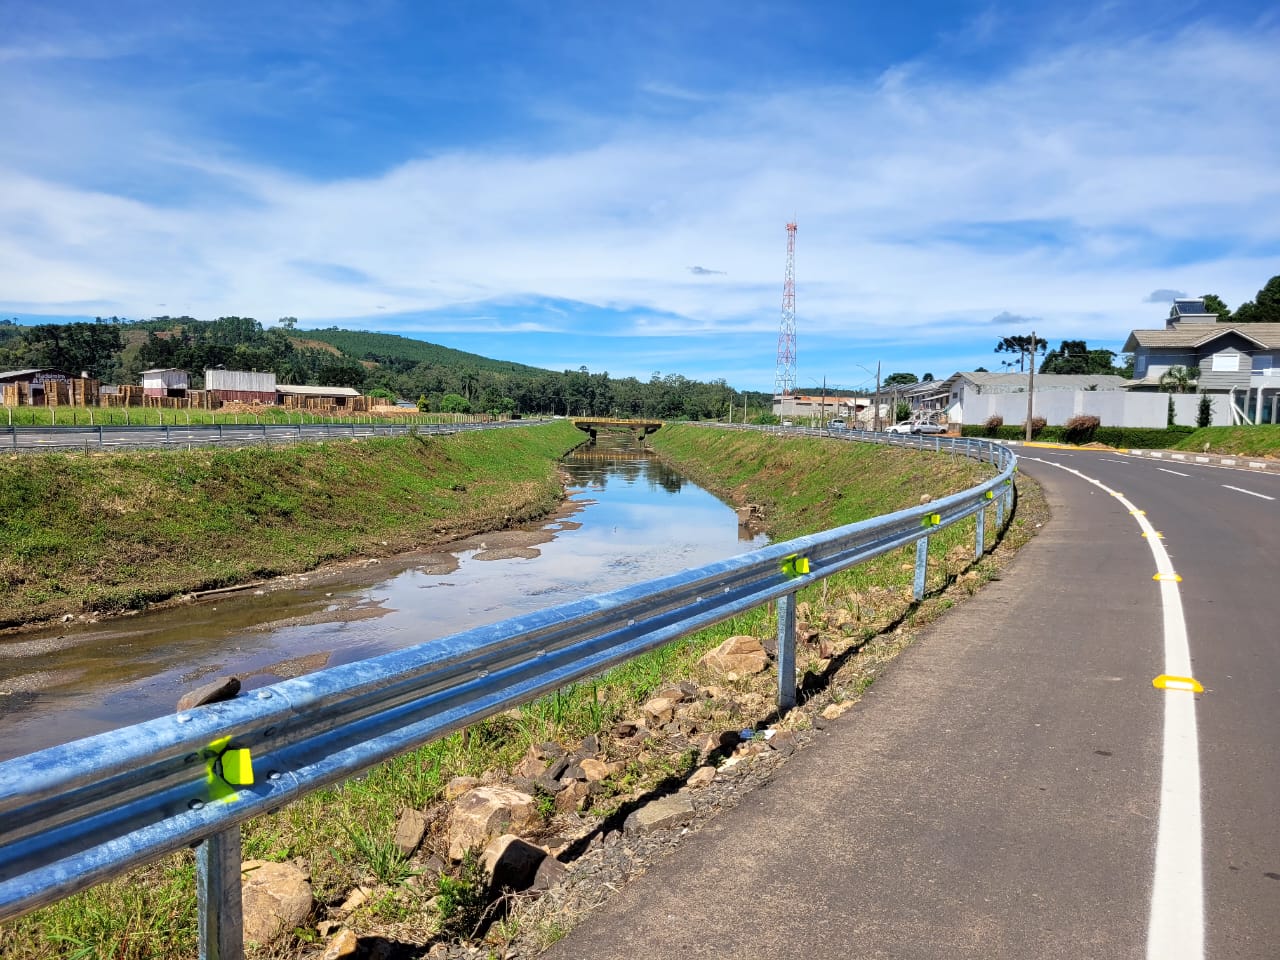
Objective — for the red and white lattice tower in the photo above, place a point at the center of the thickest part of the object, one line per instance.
(785, 380)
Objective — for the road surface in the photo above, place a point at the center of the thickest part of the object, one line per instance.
(1016, 786)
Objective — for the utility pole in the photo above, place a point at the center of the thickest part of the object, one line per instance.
(877, 413)
(1031, 386)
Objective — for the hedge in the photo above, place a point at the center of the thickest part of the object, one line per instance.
(1146, 438)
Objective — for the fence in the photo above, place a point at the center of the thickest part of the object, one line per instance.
(77, 814)
(15, 439)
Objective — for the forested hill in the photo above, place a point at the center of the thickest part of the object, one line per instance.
(382, 347)
(394, 367)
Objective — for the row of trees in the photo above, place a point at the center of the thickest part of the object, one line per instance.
(114, 350)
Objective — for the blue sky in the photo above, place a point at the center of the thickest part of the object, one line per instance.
(608, 185)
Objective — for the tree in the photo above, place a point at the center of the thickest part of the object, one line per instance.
(1074, 356)
(927, 378)
(1204, 414)
(1179, 379)
(288, 322)
(454, 403)
(899, 380)
(1171, 420)
(901, 411)
(1264, 308)
(1021, 345)
(1213, 303)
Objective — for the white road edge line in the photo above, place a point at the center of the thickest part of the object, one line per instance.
(1174, 472)
(1175, 926)
(1228, 486)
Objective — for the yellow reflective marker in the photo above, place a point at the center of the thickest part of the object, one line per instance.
(1166, 682)
(795, 565)
(227, 768)
(1168, 576)
(990, 495)
(1158, 535)
(931, 520)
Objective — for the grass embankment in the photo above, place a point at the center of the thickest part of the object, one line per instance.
(1256, 441)
(105, 533)
(852, 624)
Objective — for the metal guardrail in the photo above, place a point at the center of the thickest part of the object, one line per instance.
(77, 814)
(70, 439)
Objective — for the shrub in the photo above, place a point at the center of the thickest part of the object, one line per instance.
(1080, 428)
(1037, 425)
(1204, 414)
(993, 424)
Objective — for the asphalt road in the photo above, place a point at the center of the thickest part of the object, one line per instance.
(999, 793)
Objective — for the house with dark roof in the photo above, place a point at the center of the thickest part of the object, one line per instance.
(1239, 362)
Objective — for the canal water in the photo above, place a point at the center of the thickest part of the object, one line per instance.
(628, 518)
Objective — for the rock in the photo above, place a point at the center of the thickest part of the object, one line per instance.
(660, 710)
(511, 863)
(547, 785)
(661, 814)
(701, 777)
(594, 770)
(215, 691)
(344, 944)
(276, 898)
(558, 766)
(458, 786)
(834, 711)
(783, 742)
(485, 813)
(572, 797)
(356, 899)
(627, 728)
(590, 746)
(722, 742)
(550, 872)
(410, 830)
(841, 616)
(926, 498)
(739, 656)
(532, 765)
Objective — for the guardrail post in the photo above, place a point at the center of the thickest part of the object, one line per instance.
(221, 923)
(999, 514)
(922, 561)
(100, 441)
(980, 533)
(786, 651)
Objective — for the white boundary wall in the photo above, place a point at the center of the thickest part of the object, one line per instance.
(1114, 408)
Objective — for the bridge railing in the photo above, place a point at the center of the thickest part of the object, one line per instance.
(77, 814)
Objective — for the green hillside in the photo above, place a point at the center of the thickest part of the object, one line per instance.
(381, 347)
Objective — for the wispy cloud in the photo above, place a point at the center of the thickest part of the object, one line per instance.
(1163, 296)
(930, 206)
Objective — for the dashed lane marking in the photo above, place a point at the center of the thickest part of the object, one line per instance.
(1262, 496)
(1174, 472)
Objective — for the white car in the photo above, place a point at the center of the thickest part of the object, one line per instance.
(916, 426)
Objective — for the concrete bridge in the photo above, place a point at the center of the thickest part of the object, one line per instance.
(592, 425)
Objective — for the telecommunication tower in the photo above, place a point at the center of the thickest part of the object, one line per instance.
(785, 380)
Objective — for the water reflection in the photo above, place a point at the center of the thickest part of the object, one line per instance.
(628, 518)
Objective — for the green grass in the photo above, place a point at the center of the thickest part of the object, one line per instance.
(89, 533)
(1248, 441)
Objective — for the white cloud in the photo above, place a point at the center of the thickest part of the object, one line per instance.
(1093, 139)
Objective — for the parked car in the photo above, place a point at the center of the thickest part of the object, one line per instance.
(836, 424)
(916, 426)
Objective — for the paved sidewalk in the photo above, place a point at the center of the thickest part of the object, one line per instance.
(992, 796)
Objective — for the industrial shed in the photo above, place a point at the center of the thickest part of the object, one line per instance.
(165, 382)
(241, 386)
